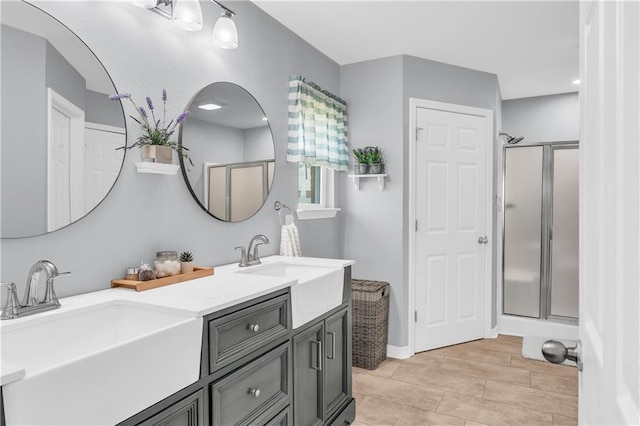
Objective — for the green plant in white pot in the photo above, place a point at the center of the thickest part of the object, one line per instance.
(186, 262)
(374, 156)
(362, 161)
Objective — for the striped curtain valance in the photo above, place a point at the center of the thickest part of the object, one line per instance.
(317, 126)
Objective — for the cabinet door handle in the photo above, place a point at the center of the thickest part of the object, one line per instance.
(333, 345)
(254, 392)
(253, 327)
(318, 363)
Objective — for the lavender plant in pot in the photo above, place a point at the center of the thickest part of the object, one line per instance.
(362, 161)
(155, 142)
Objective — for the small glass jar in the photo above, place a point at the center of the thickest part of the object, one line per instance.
(133, 273)
(166, 264)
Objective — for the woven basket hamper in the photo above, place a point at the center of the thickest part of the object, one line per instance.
(370, 322)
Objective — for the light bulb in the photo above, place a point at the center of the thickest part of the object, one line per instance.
(187, 15)
(225, 33)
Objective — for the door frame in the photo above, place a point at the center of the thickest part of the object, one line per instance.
(487, 114)
(76, 160)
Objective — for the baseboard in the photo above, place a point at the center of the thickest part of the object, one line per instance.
(398, 352)
(518, 326)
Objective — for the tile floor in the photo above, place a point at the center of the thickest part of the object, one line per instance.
(484, 382)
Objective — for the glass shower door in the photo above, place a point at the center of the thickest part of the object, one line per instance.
(522, 228)
(563, 235)
(540, 260)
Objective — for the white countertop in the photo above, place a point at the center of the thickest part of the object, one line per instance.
(197, 297)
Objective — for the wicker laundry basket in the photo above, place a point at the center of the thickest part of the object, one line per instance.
(370, 322)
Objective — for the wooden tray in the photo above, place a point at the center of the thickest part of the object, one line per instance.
(198, 272)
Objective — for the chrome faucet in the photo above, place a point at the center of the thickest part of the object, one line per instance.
(250, 257)
(31, 304)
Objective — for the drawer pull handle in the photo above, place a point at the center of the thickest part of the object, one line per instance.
(318, 364)
(253, 327)
(333, 346)
(254, 392)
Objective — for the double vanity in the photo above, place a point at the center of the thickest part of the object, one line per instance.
(268, 344)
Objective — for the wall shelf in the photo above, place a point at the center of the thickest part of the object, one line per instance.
(157, 168)
(380, 177)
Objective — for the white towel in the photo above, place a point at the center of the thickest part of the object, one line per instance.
(290, 240)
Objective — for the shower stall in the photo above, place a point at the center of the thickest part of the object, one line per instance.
(540, 239)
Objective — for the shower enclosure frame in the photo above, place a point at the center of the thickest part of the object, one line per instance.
(546, 228)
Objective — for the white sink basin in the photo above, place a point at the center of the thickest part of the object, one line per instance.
(99, 364)
(318, 290)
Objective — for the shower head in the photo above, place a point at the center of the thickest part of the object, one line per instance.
(511, 140)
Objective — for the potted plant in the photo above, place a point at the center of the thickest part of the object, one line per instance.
(155, 141)
(362, 161)
(186, 262)
(374, 154)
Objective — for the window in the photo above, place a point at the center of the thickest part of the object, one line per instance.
(309, 184)
(315, 192)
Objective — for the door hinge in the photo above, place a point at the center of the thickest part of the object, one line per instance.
(417, 130)
(416, 225)
(415, 316)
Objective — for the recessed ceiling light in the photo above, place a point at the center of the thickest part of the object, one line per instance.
(576, 81)
(209, 106)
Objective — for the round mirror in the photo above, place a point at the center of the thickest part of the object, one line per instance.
(59, 129)
(231, 147)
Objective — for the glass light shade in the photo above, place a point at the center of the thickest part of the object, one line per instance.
(225, 33)
(147, 4)
(187, 15)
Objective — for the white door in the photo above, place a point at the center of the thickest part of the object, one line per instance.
(59, 171)
(451, 251)
(102, 161)
(609, 391)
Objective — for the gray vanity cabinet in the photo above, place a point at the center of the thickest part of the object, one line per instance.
(308, 379)
(338, 361)
(322, 370)
(186, 412)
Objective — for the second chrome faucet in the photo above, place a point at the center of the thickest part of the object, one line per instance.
(250, 256)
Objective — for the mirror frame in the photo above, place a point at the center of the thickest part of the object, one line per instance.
(124, 121)
(183, 166)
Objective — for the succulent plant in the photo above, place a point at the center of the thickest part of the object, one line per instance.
(186, 256)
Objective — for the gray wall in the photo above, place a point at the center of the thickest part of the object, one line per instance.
(543, 118)
(100, 109)
(376, 222)
(24, 116)
(62, 77)
(257, 144)
(145, 213)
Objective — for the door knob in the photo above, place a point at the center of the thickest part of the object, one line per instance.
(556, 352)
(483, 240)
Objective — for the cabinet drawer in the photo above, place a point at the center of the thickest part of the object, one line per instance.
(281, 419)
(252, 391)
(186, 412)
(242, 332)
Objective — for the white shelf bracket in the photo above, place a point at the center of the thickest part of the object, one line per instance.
(381, 182)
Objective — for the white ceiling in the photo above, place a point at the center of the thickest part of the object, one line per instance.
(531, 45)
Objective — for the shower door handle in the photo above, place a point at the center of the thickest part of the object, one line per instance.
(483, 240)
(556, 352)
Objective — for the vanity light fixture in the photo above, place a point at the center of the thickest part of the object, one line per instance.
(225, 33)
(185, 14)
(209, 106)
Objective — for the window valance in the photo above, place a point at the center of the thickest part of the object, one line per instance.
(317, 126)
